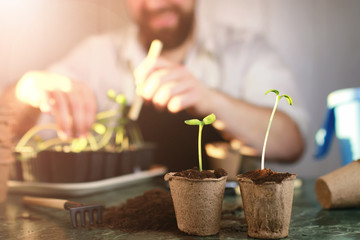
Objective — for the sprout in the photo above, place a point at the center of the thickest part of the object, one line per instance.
(206, 121)
(108, 124)
(278, 97)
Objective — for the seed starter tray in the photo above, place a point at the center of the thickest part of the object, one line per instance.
(83, 188)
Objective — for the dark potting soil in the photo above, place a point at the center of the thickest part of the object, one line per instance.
(194, 173)
(266, 175)
(153, 210)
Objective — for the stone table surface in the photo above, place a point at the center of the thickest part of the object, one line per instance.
(308, 221)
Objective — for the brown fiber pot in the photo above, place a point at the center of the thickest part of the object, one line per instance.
(222, 155)
(267, 207)
(340, 188)
(197, 203)
(4, 175)
(5, 161)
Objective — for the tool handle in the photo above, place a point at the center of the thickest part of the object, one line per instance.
(44, 202)
(135, 108)
(154, 52)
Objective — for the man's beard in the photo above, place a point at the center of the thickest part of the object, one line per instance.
(170, 37)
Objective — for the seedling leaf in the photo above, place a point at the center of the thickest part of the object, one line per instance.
(111, 93)
(120, 99)
(78, 144)
(99, 128)
(272, 90)
(209, 119)
(193, 122)
(288, 98)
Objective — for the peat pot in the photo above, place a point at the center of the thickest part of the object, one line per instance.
(267, 206)
(197, 203)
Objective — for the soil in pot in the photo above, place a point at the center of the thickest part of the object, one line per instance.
(266, 175)
(267, 199)
(194, 173)
(197, 198)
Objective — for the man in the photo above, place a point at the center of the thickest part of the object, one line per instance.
(204, 68)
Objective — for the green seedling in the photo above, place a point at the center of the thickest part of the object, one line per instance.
(206, 121)
(111, 127)
(278, 97)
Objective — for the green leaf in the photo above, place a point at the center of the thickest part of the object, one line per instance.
(272, 90)
(119, 136)
(209, 119)
(99, 128)
(120, 99)
(288, 98)
(78, 144)
(111, 93)
(193, 122)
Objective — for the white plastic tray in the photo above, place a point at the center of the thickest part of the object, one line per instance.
(80, 189)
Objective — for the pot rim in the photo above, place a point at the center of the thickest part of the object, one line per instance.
(170, 175)
(240, 178)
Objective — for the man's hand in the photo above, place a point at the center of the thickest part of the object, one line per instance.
(71, 102)
(172, 86)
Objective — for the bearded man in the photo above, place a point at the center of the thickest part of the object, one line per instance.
(205, 67)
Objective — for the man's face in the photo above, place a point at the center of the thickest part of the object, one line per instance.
(170, 21)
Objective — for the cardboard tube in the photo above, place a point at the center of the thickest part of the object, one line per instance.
(340, 188)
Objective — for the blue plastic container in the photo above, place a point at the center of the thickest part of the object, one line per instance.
(343, 118)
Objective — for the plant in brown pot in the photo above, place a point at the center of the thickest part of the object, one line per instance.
(113, 147)
(198, 194)
(6, 157)
(267, 196)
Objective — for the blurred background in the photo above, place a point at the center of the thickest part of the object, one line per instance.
(319, 40)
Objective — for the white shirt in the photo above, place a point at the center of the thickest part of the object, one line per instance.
(236, 62)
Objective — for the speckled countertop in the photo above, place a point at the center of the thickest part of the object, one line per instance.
(308, 220)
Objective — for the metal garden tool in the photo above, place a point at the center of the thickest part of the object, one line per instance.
(75, 208)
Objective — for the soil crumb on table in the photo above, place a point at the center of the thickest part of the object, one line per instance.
(151, 211)
(266, 175)
(194, 173)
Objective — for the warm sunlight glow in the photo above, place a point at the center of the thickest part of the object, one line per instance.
(219, 125)
(216, 150)
(243, 149)
(249, 151)
(34, 85)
